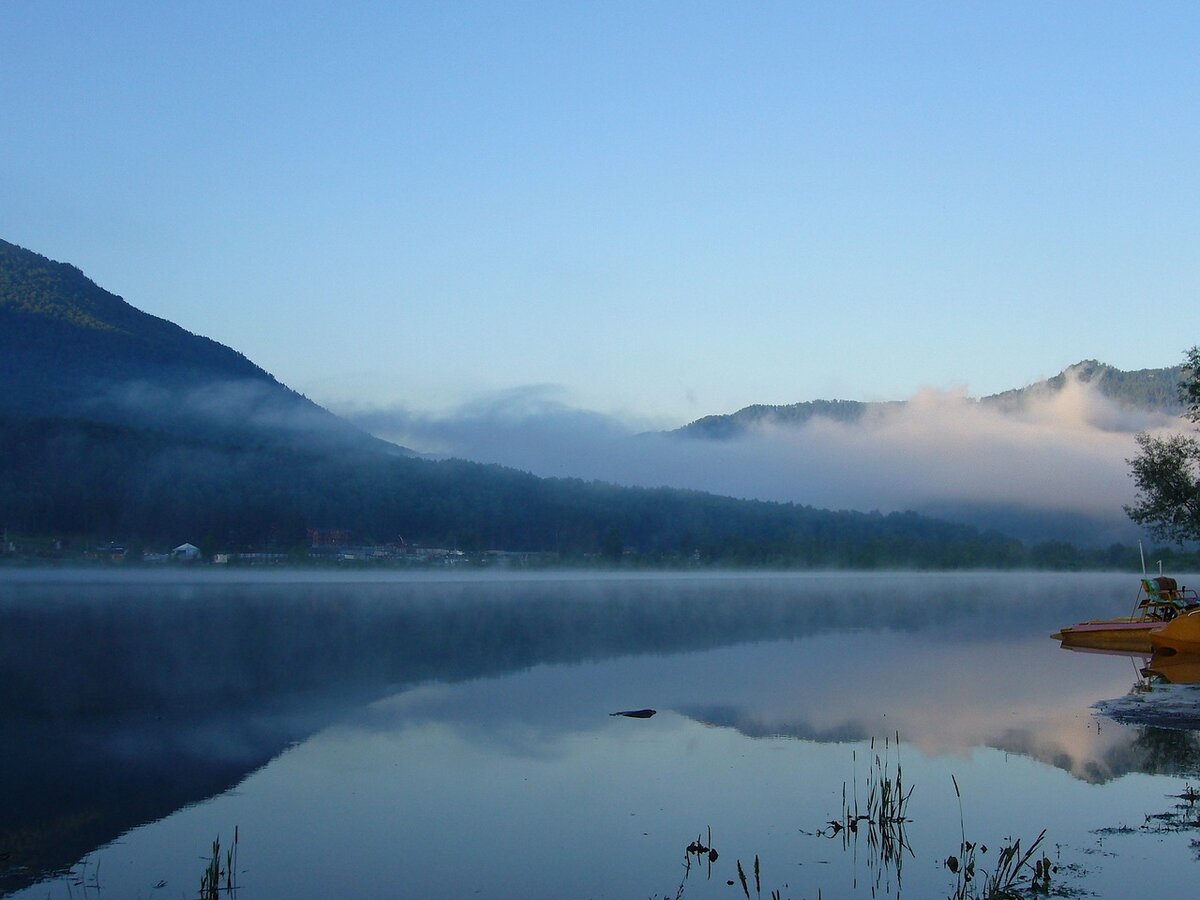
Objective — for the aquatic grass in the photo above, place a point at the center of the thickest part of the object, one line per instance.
(1021, 870)
(703, 851)
(1013, 877)
(1016, 874)
(745, 882)
(216, 880)
(1183, 816)
(884, 816)
(886, 799)
(886, 803)
(78, 876)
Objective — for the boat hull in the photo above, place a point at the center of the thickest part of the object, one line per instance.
(1175, 666)
(1109, 634)
(1181, 633)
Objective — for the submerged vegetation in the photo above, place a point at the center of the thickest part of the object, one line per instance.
(1183, 816)
(1019, 870)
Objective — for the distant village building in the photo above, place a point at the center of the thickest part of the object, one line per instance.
(112, 552)
(186, 553)
(255, 557)
(328, 537)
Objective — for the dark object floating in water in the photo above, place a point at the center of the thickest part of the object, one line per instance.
(636, 713)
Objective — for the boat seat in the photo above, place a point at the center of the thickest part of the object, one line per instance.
(1168, 588)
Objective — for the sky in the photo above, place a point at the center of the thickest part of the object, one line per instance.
(650, 212)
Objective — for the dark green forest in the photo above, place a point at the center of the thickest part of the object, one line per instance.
(121, 482)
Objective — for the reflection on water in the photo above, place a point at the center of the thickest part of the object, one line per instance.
(476, 715)
(1174, 667)
(1165, 696)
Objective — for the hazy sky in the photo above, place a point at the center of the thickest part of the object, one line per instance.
(659, 210)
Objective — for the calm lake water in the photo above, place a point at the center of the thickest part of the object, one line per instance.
(452, 737)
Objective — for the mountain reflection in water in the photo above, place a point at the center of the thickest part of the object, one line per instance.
(125, 701)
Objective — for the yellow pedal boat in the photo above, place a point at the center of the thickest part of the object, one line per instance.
(1160, 602)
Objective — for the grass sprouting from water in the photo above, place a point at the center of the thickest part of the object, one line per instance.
(217, 880)
(884, 816)
(1016, 874)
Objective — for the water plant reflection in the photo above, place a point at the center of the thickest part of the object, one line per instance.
(883, 817)
(220, 875)
(1183, 816)
(1012, 871)
(706, 854)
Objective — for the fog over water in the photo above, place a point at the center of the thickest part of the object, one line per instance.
(466, 719)
(1054, 468)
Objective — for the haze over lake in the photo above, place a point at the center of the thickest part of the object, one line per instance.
(444, 736)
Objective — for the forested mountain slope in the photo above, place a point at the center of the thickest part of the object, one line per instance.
(115, 424)
(69, 348)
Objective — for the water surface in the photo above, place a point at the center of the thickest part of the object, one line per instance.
(452, 737)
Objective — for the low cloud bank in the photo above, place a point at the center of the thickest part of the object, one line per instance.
(200, 407)
(1063, 453)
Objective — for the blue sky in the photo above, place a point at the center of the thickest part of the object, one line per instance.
(655, 210)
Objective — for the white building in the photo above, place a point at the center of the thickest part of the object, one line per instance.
(186, 552)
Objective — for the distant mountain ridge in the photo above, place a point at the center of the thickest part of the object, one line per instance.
(1155, 390)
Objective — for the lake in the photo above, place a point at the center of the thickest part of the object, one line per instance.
(395, 736)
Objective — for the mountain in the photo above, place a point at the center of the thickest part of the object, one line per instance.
(723, 426)
(1155, 390)
(115, 424)
(1152, 390)
(69, 348)
(1044, 462)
